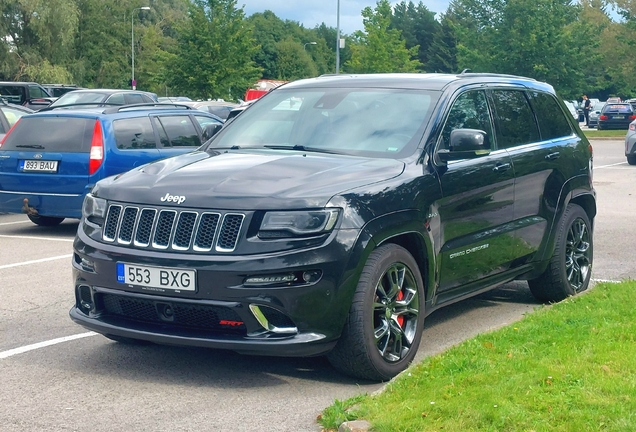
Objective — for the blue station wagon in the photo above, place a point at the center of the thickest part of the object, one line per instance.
(50, 160)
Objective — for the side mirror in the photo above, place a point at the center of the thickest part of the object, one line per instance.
(466, 144)
(210, 130)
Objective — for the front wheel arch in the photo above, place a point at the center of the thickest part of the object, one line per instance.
(384, 326)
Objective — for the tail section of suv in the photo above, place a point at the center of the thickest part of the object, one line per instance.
(336, 213)
(50, 160)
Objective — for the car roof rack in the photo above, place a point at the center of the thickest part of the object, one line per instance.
(80, 105)
(148, 105)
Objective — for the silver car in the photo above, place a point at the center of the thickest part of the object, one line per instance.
(630, 144)
(595, 112)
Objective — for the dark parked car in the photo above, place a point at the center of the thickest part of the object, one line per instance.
(50, 160)
(29, 94)
(9, 115)
(616, 116)
(57, 90)
(335, 213)
(103, 97)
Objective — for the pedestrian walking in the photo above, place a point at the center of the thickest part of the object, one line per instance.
(587, 106)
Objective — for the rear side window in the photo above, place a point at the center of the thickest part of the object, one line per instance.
(133, 98)
(550, 116)
(514, 122)
(180, 131)
(13, 94)
(134, 133)
(51, 134)
(117, 99)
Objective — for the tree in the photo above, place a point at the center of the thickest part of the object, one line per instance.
(293, 62)
(379, 48)
(215, 51)
(541, 39)
(442, 53)
(418, 27)
(37, 38)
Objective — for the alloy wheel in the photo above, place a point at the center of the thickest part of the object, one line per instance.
(577, 254)
(395, 312)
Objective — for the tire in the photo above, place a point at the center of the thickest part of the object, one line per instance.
(631, 159)
(47, 221)
(127, 341)
(396, 315)
(570, 266)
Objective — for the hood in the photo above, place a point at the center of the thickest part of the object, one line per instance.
(244, 180)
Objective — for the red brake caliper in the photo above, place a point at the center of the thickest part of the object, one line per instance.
(400, 319)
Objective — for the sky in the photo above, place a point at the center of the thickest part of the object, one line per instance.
(314, 12)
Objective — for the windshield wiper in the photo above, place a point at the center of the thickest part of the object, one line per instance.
(301, 148)
(34, 146)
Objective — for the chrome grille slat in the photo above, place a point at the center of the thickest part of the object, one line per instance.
(127, 225)
(163, 229)
(230, 229)
(112, 222)
(206, 231)
(184, 230)
(172, 229)
(144, 227)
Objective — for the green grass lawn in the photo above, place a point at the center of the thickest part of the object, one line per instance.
(593, 133)
(566, 367)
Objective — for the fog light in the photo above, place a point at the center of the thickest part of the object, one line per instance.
(269, 280)
(86, 302)
(312, 276)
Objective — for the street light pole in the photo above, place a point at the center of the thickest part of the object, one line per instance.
(308, 43)
(338, 40)
(132, 43)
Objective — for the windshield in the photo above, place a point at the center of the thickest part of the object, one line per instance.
(369, 122)
(79, 97)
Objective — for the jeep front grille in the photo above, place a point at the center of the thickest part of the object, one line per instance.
(170, 229)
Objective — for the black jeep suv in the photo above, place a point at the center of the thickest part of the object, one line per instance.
(336, 213)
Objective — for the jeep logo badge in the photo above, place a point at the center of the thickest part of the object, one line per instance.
(173, 198)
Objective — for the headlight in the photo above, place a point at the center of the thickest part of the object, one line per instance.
(94, 208)
(298, 223)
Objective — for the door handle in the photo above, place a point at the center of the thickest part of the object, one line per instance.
(553, 156)
(501, 167)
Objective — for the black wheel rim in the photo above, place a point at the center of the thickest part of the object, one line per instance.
(395, 313)
(578, 254)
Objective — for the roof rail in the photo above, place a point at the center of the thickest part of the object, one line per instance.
(147, 105)
(83, 104)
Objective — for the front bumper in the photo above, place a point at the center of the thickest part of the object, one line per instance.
(284, 319)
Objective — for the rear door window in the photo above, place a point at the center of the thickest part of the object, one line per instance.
(550, 116)
(134, 133)
(515, 124)
(63, 135)
(180, 131)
